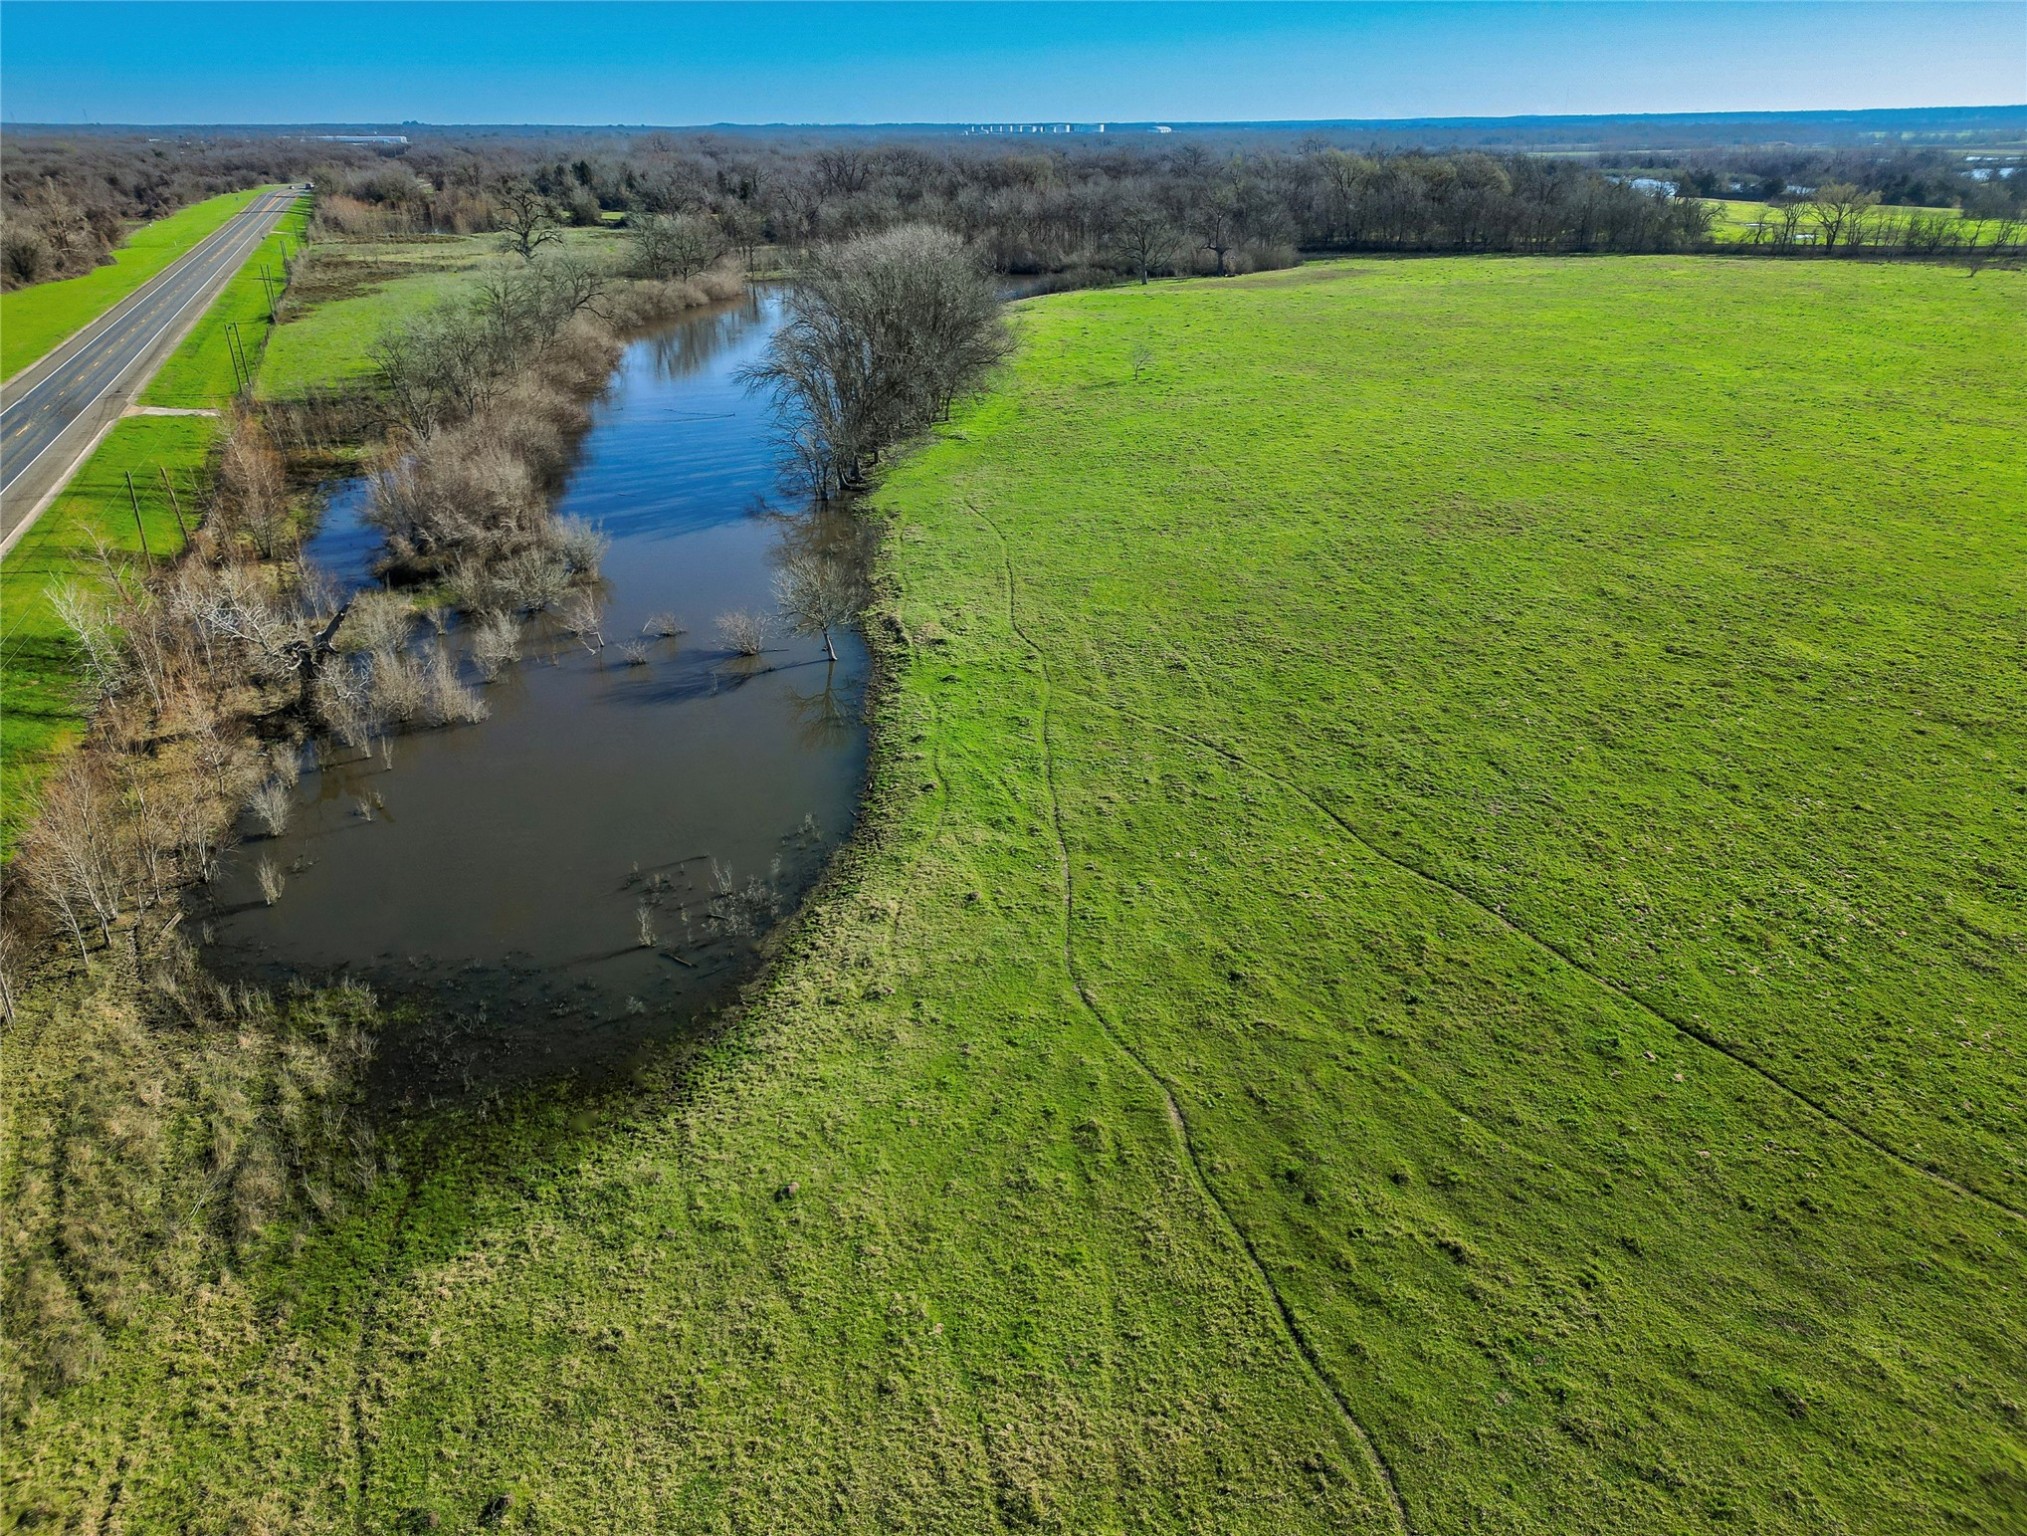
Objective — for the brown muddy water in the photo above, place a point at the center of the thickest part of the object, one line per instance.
(504, 874)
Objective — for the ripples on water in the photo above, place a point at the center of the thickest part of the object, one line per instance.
(505, 865)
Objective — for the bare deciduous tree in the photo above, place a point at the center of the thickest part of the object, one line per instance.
(252, 497)
(818, 592)
(744, 229)
(677, 246)
(527, 218)
(1839, 211)
(882, 333)
(83, 613)
(1144, 237)
(72, 855)
(1214, 221)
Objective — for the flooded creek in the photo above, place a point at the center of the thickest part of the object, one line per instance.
(585, 874)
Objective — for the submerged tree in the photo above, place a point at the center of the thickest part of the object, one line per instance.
(818, 592)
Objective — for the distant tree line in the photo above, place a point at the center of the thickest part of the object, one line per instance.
(1127, 208)
(1838, 218)
(1126, 211)
(1096, 207)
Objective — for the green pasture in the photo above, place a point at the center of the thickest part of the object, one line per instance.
(1733, 219)
(1437, 945)
(356, 290)
(32, 320)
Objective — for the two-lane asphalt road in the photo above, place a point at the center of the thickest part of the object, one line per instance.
(55, 410)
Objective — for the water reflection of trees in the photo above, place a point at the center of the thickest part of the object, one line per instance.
(825, 717)
(829, 531)
(687, 349)
(820, 561)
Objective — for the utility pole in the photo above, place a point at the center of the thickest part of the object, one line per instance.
(134, 497)
(243, 370)
(174, 505)
(232, 352)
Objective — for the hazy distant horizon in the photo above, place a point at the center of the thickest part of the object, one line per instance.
(1297, 124)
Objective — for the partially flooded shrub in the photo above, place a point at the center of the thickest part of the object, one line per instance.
(456, 494)
(582, 547)
(269, 876)
(663, 626)
(344, 702)
(744, 631)
(496, 642)
(533, 580)
(634, 653)
(376, 621)
(638, 306)
(581, 617)
(474, 586)
(451, 702)
(740, 911)
(397, 687)
(270, 807)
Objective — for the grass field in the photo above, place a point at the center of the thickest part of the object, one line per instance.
(355, 290)
(1436, 947)
(32, 320)
(1735, 218)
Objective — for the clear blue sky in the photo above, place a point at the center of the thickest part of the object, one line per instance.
(585, 62)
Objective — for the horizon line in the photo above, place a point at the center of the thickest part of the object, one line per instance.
(1074, 122)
